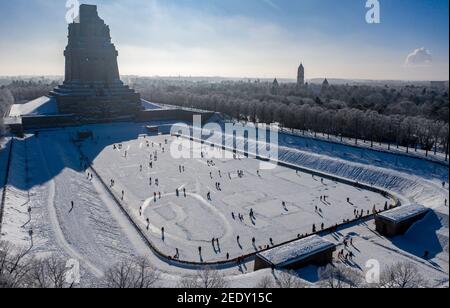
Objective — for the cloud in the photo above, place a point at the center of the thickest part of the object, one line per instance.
(419, 57)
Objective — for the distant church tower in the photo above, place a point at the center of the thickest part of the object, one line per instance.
(325, 85)
(275, 87)
(301, 76)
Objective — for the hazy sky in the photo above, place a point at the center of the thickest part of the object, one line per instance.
(240, 38)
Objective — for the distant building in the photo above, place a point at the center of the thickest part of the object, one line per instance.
(275, 87)
(397, 221)
(313, 250)
(439, 85)
(301, 76)
(325, 85)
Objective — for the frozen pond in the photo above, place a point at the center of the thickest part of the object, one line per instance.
(285, 203)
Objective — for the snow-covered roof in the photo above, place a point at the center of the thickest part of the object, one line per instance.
(149, 106)
(404, 212)
(41, 106)
(296, 251)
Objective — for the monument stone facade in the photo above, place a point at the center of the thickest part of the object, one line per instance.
(301, 76)
(92, 87)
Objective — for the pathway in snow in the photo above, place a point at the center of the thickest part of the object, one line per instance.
(62, 242)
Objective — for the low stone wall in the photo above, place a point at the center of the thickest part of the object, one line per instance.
(35, 122)
(39, 122)
(172, 114)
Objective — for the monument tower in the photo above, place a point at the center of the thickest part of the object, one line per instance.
(92, 87)
(301, 76)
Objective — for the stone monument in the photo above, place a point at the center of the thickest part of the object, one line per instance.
(92, 88)
(301, 76)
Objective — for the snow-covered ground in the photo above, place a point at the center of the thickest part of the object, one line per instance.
(47, 175)
(431, 234)
(149, 105)
(439, 156)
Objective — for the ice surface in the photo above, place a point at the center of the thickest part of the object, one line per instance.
(191, 221)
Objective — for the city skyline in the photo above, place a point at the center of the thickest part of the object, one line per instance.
(255, 39)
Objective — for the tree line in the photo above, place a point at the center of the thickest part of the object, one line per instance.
(19, 92)
(410, 116)
(20, 270)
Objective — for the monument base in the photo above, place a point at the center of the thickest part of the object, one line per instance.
(97, 100)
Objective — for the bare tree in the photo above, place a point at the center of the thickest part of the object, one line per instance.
(289, 280)
(13, 266)
(132, 274)
(339, 277)
(188, 282)
(266, 283)
(204, 279)
(383, 114)
(17, 270)
(438, 129)
(48, 273)
(403, 275)
(282, 280)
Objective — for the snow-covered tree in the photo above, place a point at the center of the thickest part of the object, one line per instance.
(134, 273)
(204, 279)
(403, 275)
(339, 277)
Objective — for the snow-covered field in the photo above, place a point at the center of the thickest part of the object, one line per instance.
(48, 175)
